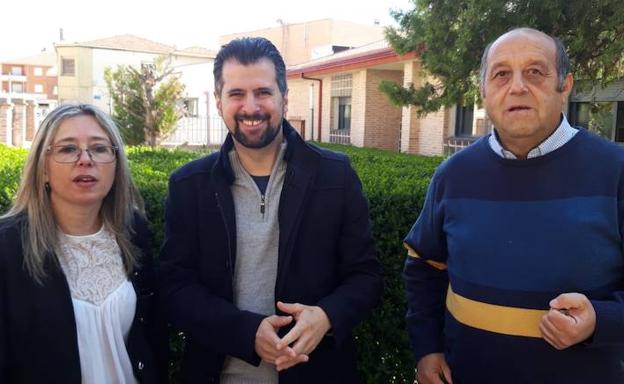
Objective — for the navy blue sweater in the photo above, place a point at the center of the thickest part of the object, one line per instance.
(497, 240)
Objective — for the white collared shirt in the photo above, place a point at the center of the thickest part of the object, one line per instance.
(564, 133)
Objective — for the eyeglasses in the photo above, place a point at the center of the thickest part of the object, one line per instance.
(70, 153)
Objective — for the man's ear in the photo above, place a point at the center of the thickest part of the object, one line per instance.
(285, 98)
(568, 83)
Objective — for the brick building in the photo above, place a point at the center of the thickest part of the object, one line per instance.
(34, 75)
(28, 90)
(337, 99)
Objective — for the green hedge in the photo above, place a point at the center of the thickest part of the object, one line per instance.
(11, 162)
(395, 185)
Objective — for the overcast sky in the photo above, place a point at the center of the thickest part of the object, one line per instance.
(35, 24)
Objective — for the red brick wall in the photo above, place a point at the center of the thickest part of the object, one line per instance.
(48, 82)
(382, 119)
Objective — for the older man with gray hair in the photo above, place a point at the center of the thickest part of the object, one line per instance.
(515, 268)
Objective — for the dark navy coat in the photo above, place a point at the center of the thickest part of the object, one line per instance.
(326, 257)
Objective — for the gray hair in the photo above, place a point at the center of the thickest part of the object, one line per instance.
(562, 61)
(39, 235)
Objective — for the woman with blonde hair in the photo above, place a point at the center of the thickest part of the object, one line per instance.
(77, 281)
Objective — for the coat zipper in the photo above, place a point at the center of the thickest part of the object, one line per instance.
(262, 205)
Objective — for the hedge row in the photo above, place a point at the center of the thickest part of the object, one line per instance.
(395, 185)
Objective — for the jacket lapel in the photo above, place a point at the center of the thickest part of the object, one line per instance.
(301, 168)
(222, 177)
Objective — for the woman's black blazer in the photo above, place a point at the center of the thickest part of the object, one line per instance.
(38, 341)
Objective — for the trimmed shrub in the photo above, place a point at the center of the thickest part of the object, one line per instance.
(395, 185)
(11, 164)
(150, 170)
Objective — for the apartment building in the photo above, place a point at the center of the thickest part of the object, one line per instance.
(28, 90)
(34, 76)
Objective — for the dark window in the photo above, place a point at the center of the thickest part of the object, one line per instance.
(68, 67)
(578, 114)
(340, 131)
(463, 120)
(619, 122)
(344, 113)
(190, 106)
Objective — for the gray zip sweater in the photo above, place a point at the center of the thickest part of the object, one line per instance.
(257, 245)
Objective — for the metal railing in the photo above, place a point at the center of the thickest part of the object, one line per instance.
(454, 144)
(198, 131)
(340, 136)
(12, 77)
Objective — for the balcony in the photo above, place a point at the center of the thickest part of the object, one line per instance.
(23, 96)
(13, 78)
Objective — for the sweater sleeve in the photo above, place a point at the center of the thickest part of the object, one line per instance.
(426, 278)
(609, 321)
(3, 330)
(610, 313)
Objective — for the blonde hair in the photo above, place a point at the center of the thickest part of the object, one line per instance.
(40, 234)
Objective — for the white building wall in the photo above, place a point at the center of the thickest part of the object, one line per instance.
(358, 108)
(198, 82)
(326, 116)
(195, 74)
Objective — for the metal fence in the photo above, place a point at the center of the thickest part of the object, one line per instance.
(340, 136)
(456, 144)
(211, 131)
(198, 131)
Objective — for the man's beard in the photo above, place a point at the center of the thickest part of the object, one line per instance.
(264, 140)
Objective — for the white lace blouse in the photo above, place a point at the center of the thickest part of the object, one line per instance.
(104, 304)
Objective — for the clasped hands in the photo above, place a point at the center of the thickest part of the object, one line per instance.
(311, 325)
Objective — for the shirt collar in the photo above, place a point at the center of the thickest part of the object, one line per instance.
(556, 140)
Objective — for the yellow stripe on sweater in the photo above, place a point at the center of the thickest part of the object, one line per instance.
(494, 318)
(436, 264)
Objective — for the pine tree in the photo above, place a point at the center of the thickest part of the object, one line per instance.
(449, 36)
